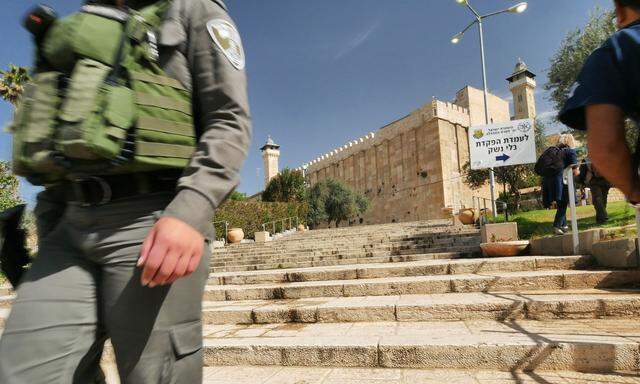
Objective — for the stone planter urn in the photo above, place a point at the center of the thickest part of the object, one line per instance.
(301, 228)
(467, 216)
(235, 235)
(504, 248)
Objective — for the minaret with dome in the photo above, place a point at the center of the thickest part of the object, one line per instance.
(270, 156)
(522, 84)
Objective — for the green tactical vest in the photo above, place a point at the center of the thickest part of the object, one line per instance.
(100, 103)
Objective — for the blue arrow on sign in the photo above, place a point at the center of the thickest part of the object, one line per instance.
(504, 157)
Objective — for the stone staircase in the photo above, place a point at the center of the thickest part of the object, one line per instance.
(405, 315)
(351, 245)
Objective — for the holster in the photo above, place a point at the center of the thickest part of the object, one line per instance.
(14, 256)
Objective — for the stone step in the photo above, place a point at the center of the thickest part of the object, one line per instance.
(350, 240)
(328, 375)
(523, 345)
(305, 375)
(317, 249)
(324, 262)
(298, 375)
(6, 301)
(480, 282)
(410, 268)
(535, 305)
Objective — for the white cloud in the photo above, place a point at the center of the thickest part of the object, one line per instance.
(356, 41)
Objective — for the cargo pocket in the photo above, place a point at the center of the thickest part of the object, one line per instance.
(34, 124)
(186, 339)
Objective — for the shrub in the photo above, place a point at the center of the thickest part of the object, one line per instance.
(287, 186)
(250, 215)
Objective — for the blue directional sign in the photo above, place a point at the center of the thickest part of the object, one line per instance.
(502, 144)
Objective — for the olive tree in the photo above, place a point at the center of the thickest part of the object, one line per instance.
(332, 201)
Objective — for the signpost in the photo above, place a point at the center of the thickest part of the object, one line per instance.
(502, 144)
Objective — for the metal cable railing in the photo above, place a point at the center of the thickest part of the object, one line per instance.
(226, 229)
(480, 203)
(283, 222)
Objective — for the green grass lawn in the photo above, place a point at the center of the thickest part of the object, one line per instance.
(539, 223)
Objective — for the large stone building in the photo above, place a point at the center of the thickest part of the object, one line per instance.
(412, 168)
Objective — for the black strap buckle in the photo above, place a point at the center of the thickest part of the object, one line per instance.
(92, 190)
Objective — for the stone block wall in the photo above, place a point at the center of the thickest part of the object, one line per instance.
(411, 168)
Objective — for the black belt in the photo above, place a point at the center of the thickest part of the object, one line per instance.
(99, 190)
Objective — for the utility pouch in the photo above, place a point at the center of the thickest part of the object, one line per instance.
(34, 125)
(95, 115)
(164, 134)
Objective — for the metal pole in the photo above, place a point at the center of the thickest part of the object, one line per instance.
(574, 217)
(492, 177)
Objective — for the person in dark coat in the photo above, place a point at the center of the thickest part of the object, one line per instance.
(555, 188)
(599, 187)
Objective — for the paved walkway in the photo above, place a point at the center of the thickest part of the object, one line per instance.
(292, 375)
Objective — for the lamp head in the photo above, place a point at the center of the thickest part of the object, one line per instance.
(461, 2)
(456, 39)
(519, 8)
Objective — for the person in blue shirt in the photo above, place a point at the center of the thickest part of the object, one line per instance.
(555, 188)
(606, 93)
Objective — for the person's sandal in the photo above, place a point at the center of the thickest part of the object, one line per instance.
(558, 231)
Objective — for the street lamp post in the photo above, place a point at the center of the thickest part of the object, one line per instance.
(518, 8)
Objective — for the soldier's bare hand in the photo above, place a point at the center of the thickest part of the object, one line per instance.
(171, 250)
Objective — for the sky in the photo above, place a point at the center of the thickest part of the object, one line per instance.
(322, 73)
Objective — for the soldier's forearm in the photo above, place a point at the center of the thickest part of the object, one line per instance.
(608, 147)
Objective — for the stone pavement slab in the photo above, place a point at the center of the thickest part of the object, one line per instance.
(306, 375)
(581, 345)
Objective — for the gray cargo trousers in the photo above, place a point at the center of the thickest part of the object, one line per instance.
(84, 288)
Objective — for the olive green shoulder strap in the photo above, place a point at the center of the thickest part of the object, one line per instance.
(155, 13)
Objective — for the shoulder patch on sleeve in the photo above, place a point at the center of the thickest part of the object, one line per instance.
(226, 37)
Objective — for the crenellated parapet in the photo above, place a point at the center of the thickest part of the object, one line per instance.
(341, 152)
(435, 109)
(450, 112)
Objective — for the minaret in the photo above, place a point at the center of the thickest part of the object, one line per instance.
(270, 156)
(522, 84)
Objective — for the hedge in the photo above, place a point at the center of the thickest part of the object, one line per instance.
(250, 215)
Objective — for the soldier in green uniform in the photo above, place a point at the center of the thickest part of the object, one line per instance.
(137, 140)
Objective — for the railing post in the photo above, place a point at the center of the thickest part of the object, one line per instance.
(574, 217)
(506, 212)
